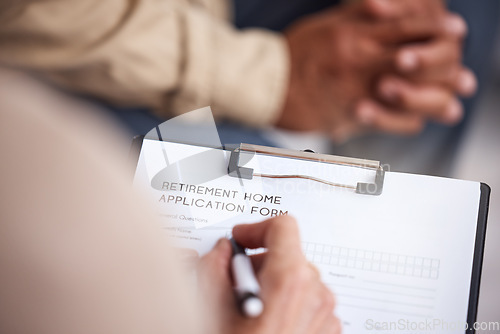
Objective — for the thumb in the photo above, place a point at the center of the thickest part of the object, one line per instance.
(389, 9)
(383, 9)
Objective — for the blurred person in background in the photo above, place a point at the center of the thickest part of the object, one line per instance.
(433, 150)
(375, 65)
(81, 252)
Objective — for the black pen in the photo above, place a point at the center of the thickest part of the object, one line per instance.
(246, 285)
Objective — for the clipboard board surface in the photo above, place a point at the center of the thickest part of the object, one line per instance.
(479, 244)
(477, 264)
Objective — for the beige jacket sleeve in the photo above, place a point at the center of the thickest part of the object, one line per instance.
(171, 55)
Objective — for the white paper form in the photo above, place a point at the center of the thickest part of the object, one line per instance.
(401, 261)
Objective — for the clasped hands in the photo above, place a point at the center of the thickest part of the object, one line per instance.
(377, 65)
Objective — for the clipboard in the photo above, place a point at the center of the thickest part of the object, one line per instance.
(374, 189)
(237, 170)
(477, 264)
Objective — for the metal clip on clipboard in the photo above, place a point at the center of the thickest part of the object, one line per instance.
(235, 170)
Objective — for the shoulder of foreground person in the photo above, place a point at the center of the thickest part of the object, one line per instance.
(74, 236)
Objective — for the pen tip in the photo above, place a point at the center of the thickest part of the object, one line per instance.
(236, 247)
